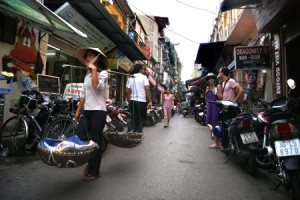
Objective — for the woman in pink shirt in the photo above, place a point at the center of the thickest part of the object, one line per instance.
(168, 103)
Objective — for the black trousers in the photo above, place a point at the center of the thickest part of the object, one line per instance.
(91, 127)
(139, 115)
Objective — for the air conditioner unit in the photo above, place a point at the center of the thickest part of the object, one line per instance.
(107, 2)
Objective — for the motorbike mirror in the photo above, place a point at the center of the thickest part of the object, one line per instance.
(291, 83)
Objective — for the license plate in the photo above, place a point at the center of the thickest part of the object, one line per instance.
(249, 138)
(287, 147)
(108, 119)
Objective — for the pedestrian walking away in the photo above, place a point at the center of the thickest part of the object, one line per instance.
(93, 102)
(137, 93)
(213, 92)
(168, 104)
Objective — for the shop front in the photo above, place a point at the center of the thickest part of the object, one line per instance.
(103, 33)
(278, 27)
(24, 30)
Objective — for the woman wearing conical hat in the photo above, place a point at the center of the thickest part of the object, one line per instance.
(93, 102)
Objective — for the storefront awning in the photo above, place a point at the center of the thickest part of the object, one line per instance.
(244, 30)
(95, 12)
(190, 81)
(38, 16)
(208, 54)
(235, 4)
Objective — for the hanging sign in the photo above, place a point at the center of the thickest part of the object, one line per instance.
(252, 57)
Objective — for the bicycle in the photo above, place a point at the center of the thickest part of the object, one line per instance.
(25, 130)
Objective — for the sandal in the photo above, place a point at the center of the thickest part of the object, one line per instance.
(213, 146)
(89, 177)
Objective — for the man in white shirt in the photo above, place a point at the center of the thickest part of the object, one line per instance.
(137, 93)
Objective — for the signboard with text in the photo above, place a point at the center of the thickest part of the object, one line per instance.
(48, 84)
(252, 57)
(72, 90)
(95, 37)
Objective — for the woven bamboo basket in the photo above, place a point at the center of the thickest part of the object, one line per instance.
(64, 159)
(125, 140)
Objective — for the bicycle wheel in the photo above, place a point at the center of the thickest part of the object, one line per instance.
(14, 134)
(60, 128)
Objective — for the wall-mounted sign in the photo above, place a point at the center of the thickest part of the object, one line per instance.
(95, 37)
(125, 63)
(48, 84)
(278, 67)
(252, 57)
(146, 51)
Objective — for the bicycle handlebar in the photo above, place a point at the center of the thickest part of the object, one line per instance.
(30, 99)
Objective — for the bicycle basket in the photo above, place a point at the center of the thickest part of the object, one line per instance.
(69, 159)
(125, 140)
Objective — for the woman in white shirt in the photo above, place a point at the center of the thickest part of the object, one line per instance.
(93, 102)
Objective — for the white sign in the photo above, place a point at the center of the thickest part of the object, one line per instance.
(95, 37)
(72, 90)
(125, 63)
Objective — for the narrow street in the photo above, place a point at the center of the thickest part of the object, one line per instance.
(171, 163)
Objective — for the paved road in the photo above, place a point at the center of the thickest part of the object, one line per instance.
(171, 163)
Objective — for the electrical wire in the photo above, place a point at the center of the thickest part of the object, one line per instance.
(197, 7)
(188, 6)
(166, 28)
(204, 10)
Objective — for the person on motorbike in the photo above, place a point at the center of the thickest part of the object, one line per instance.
(184, 105)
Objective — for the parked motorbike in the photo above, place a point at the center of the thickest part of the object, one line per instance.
(239, 139)
(184, 111)
(200, 113)
(281, 141)
(151, 117)
(117, 118)
(157, 113)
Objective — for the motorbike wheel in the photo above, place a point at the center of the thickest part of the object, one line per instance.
(150, 120)
(204, 120)
(128, 126)
(250, 163)
(185, 114)
(294, 183)
(265, 162)
(157, 117)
